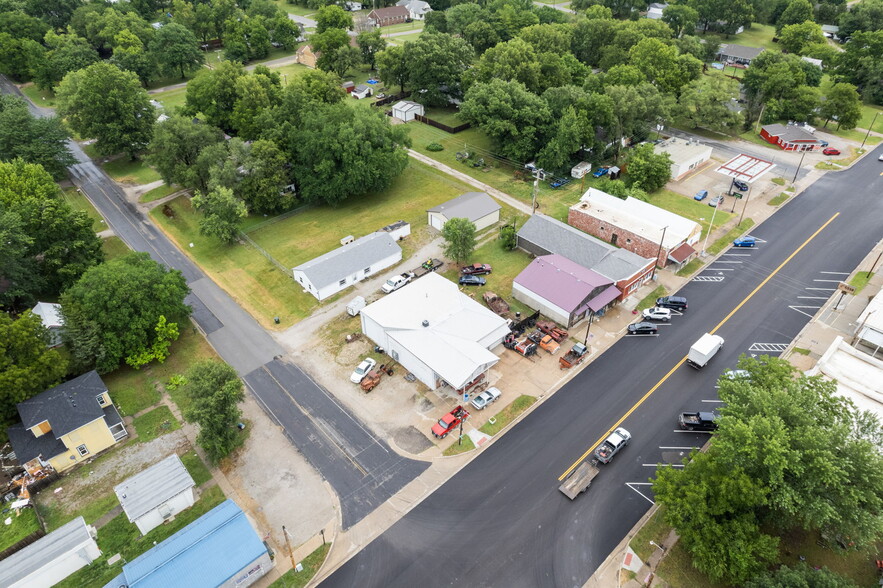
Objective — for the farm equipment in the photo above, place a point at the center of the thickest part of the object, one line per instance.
(550, 328)
(525, 347)
(495, 303)
(573, 357)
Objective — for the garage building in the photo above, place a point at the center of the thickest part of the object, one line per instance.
(686, 156)
(406, 110)
(435, 332)
(52, 558)
(157, 494)
(481, 210)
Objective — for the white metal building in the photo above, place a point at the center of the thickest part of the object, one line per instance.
(686, 156)
(157, 494)
(406, 110)
(52, 558)
(481, 210)
(328, 274)
(50, 314)
(435, 331)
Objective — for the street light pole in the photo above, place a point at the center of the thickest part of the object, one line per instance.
(747, 196)
(588, 328)
(658, 251)
(799, 165)
(871, 126)
(710, 227)
(538, 175)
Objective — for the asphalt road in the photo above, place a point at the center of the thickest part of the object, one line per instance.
(361, 468)
(501, 521)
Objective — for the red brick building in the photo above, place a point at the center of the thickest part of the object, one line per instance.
(383, 17)
(791, 137)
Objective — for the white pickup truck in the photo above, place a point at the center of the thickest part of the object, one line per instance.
(612, 445)
(395, 282)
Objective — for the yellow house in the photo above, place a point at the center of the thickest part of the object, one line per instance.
(67, 424)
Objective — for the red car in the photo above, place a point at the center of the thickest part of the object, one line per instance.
(477, 269)
(830, 151)
(449, 422)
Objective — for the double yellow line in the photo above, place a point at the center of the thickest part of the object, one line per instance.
(683, 359)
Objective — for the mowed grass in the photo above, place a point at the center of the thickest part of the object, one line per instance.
(196, 468)
(157, 193)
(465, 444)
(691, 209)
(508, 414)
(154, 423)
(130, 171)
(23, 524)
(311, 564)
(171, 99)
(655, 529)
(78, 201)
(42, 98)
(114, 247)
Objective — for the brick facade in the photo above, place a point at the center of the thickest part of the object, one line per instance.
(617, 236)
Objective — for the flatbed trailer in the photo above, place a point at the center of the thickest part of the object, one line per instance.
(579, 480)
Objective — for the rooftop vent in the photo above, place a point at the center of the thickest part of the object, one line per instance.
(425, 323)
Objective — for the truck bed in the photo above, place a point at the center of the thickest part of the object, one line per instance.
(578, 481)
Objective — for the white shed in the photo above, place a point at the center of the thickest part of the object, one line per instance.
(481, 210)
(157, 494)
(406, 110)
(52, 558)
(50, 314)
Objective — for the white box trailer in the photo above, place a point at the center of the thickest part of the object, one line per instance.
(704, 349)
(355, 306)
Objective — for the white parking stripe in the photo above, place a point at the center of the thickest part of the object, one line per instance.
(633, 484)
(836, 273)
(812, 297)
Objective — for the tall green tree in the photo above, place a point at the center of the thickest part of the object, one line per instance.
(800, 576)
(393, 66)
(18, 271)
(21, 181)
(36, 140)
(254, 94)
(66, 53)
(176, 49)
(129, 54)
(20, 58)
(27, 365)
(333, 17)
(681, 18)
(798, 11)
(371, 43)
(866, 16)
(647, 169)
(112, 312)
(221, 212)
(265, 177)
(661, 64)
(215, 394)
(512, 61)
(861, 63)
(108, 104)
(175, 148)
(794, 38)
(437, 62)
(705, 103)
(459, 236)
(212, 92)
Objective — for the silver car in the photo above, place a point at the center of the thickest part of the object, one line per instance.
(362, 370)
(657, 314)
(489, 396)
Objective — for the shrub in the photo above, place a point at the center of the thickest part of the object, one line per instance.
(434, 147)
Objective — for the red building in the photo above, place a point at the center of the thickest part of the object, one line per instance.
(791, 138)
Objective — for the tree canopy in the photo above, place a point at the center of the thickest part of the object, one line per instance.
(459, 236)
(215, 392)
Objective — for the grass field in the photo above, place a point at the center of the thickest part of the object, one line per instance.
(465, 445)
(508, 414)
(128, 171)
(158, 193)
(171, 99)
(414, 26)
(311, 563)
(296, 9)
(114, 247)
(447, 116)
(22, 524)
(402, 39)
(691, 209)
(78, 201)
(154, 423)
(196, 468)
(42, 98)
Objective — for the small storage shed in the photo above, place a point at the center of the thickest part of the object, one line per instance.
(481, 210)
(361, 91)
(349, 86)
(50, 314)
(406, 110)
(52, 558)
(157, 494)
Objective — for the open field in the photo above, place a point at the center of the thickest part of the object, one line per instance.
(22, 524)
(78, 201)
(129, 171)
(171, 99)
(43, 98)
(154, 423)
(114, 247)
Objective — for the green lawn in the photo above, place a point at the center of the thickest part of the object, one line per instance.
(414, 26)
(296, 8)
(171, 99)
(508, 414)
(656, 530)
(196, 468)
(154, 423)
(759, 35)
(128, 171)
(158, 193)
(311, 564)
(114, 247)
(691, 209)
(692, 266)
(447, 116)
(777, 200)
(402, 39)
(22, 525)
(78, 201)
(458, 448)
(121, 536)
(727, 239)
(868, 112)
(860, 280)
(43, 98)
(650, 299)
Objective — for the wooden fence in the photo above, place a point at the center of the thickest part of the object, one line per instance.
(442, 126)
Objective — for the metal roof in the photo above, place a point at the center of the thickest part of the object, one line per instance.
(351, 258)
(63, 541)
(50, 314)
(67, 407)
(739, 51)
(790, 133)
(471, 205)
(152, 487)
(562, 282)
(207, 552)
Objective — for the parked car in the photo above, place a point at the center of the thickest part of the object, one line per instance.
(831, 151)
(698, 421)
(747, 241)
(449, 422)
(612, 445)
(362, 370)
(601, 171)
(701, 195)
(657, 314)
(736, 375)
(740, 185)
(477, 269)
(489, 396)
(880, 158)
(673, 302)
(716, 201)
(468, 280)
(643, 329)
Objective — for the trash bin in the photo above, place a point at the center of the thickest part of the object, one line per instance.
(276, 319)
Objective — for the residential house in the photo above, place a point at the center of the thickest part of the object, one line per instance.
(831, 32)
(417, 9)
(305, 56)
(791, 137)
(435, 332)
(406, 110)
(733, 54)
(67, 424)
(51, 558)
(352, 6)
(654, 11)
(220, 548)
(478, 207)
(361, 258)
(361, 91)
(635, 225)
(155, 495)
(543, 235)
(686, 155)
(383, 17)
(563, 290)
(50, 315)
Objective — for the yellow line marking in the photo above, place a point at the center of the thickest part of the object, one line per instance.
(684, 359)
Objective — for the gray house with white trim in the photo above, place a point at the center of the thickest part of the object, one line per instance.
(157, 494)
(481, 210)
(52, 558)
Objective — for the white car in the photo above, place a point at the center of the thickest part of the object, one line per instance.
(736, 375)
(657, 313)
(360, 372)
(489, 396)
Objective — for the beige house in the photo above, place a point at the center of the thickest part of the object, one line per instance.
(68, 424)
(305, 56)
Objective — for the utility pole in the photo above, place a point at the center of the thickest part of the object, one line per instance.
(870, 271)
(871, 126)
(710, 227)
(658, 251)
(747, 196)
(589, 328)
(538, 175)
(799, 165)
(288, 546)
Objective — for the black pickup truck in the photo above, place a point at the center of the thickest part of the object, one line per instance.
(698, 421)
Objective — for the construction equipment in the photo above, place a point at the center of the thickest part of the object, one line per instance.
(573, 357)
(550, 328)
(524, 324)
(495, 303)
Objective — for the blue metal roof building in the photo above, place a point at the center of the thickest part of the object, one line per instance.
(220, 548)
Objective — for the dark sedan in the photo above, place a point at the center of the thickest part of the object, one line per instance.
(643, 329)
(468, 280)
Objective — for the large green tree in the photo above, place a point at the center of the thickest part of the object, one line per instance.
(437, 62)
(393, 66)
(20, 58)
(109, 105)
(681, 18)
(332, 17)
(215, 392)
(265, 178)
(27, 365)
(37, 140)
(254, 94)
(212, 92)
(459, 236)
(647, 169)
(866, 16)
(843, 103)
(661, 64)
(800, 576)
(129, 54)
(21, 181)
(798, 11)
(175, 148)
(66, 53)
(113, 310)
(176, 50)
(19, 278)
(370, 44)
(794, 38)
(221, 212)
(861, 63)
(512, 61)
(707, 103)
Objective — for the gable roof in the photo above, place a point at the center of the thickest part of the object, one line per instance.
(152, 487)
(556, 237)
(207, 552)
(471, 205)
(351, 258)
(67, 407)
(739, 51)
(415, 6)
(407, 106)
(49, 313)
(639, 217)
(27, 446)
(60, 542)
(361, 88)
(561, 281)
(389, 12)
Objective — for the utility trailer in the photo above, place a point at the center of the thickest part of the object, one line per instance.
(580, 479)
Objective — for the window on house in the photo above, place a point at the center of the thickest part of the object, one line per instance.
(395, 355)
(102, 401)
(342, 282)
(83, 450)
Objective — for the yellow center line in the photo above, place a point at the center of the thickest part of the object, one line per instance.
(683, 359)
